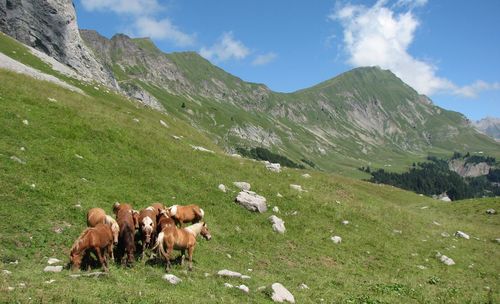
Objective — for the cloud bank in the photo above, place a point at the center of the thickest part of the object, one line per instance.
(226, 48)
(264, 59)
(380, 36)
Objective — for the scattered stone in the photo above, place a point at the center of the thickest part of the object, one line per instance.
(276, 209)
(78, 156)
(397, 231)
(421, 267)
(414, 254)
(260, 288)
(206, 274)
(90, 274)
(229, 256)
(445, 234)
(222, 188)
(136, 120)
(58, 230)
(278, 224)
(237, 228)
(172, 279)
(281, 294)
(436, 223)
(337, 202)
(163, 123)
(33, 186)
(344, 222)
(242, 185)
(445, 199)
(51, 99)
(424, 207)
(251, 201)
(471, 265)
(229, 273)
(10, 288)
(462, 235)
(279, 195)
(53, 261)
(14, 263)
(22, 285)
(6, 272)
(297, 187)
(53, 269)
(96, 88)
(445, 260)
(84, 179)
(497, 240)
(336, 239)
(17, 159)
(274, 167)
(26, 122)
(244, 288)
(306, 175)
(202, 149)
(50, 281)
(176, 137)
(236, 155)
(303, 286)
(250, 269)
(78, 205)
(22, 149)
(228, 285)
(294, 212)
(245, 277)
(491, 211)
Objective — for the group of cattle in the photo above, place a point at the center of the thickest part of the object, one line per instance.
(156, 228)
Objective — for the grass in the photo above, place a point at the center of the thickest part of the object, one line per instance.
(140, 162)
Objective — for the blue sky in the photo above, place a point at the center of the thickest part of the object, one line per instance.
(446, 49)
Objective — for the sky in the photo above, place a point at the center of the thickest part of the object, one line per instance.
(448, 50)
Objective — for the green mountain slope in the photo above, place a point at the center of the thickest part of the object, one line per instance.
(366, 116)
(94, 149)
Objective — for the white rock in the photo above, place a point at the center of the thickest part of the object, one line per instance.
(50, 281)
(53, 261)
(242, 185)
(17, 159)
(279, 195)
(436, 223)
(276, 209)
(51, 99)
(228, 285)
(10, 288)
(303, 286)
(491, 211)
(176, 137)
(22, 285)
(424, 207)
(26, 122)
(497, 240)
(78, 156)
(14, 263)
(136, 120)
(273, 167)
(397, 231)
(245, 277)
(222, 188)
(462, 235)
(244, 288)
(278, 224)
(229, 256)
(251, 201)
(337, 202)
(33, 186)
(336, 239)
(236, 155)
(163, 123)
(22, 149)
(206, 274)
(445, 199)
(281, 294)
(297, 187)
(344, 222)
(445, 260)
(421, 267)
(229, 273)
(445, 234)
(53, 269)
(202, 149)
(6, 272)
(172, 279)
(306, 175)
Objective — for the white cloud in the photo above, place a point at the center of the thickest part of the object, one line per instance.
(473, 90)
(131, 7)
(162, 30)
(225, 48)
(264, 59)
(378, 36)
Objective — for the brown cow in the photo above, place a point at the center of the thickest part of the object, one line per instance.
(184, 214)
(99, 239)
(126, 242)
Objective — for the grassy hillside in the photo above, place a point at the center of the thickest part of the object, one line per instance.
(97, 149)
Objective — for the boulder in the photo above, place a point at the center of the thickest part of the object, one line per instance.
(53, 261)
(306, 175)
(444, 259)
(345, 222)
(274, 167)
(276, 209)
(297, 187)
(336, 239)
(279, 195)
(244, 288)
(251, 201)
(228, 285)
(229, 273)
(172, 279)
(303, 286)
(462, 235)
(222, 188)
(281, 294)
(163, 123)
(278, 224)
(242, 185)
(53, 269)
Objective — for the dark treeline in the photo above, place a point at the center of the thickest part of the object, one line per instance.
(264, 154)
(435, 177)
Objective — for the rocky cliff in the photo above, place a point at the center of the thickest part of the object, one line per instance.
(489, 126)
(51, 27)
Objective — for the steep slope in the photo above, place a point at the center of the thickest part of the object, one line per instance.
(489, 126)
(366, 116)
(79, 151)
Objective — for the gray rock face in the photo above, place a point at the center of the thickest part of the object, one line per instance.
(281, 294)
(278, 224)
(274, 167)
(469, 169)
(251, 201)
(50, 26)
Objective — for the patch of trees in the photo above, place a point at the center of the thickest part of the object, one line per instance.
(474, 159)
(434, 177)
(264, 154)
